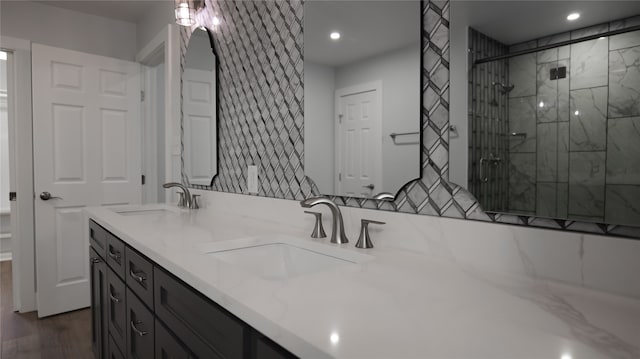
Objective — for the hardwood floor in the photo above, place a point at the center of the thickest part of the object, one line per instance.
(23, 336)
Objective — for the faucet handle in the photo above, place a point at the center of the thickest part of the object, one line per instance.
(318, 230)
(364, 241)
(194, 201)
(181, 201)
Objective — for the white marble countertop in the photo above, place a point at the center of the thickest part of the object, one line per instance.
(400, 304)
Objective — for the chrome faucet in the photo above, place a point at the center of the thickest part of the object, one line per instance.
(337, 231)
(384, 196)
(186, 194)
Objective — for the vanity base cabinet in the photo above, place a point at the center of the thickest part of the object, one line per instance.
(150, 313)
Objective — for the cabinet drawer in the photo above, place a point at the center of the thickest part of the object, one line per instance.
(140, 329)
(139, 276)
(189, 314)
(98, 238)
(116, 309)
(115, 254)
(114, 351)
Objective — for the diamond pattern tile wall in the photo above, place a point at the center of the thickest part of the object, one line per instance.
(261, 117)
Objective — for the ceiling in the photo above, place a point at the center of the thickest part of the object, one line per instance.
(367, 28)
(124, 10)
(516, 21)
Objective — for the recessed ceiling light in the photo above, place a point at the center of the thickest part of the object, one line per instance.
(335, 35)
(573, 16)
(215, 21)
(541, 104)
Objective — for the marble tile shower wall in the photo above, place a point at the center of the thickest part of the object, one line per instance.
(580, 158)
(488, 123)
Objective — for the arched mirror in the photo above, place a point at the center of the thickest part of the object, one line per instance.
(199, 109)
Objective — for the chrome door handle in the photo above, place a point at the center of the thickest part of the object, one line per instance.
(370, 186)
(115, 256)
(113, 298)
(136, 330)
(137, 277)
(45, 196)
(95, 260)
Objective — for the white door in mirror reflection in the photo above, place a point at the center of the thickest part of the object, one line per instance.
(199, 108)
(359, 154)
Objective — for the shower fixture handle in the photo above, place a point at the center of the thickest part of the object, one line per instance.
(492, 160)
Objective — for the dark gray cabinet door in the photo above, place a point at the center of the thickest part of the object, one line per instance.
(140, 329)
(114, 351)
(98, 273)
(167, 346)
(116, 309)
(266, 349)
(192, 316)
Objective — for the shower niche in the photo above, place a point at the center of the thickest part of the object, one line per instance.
(554, 120)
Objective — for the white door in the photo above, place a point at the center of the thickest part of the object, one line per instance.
(199, 111)
(359, 161)
(86, 152)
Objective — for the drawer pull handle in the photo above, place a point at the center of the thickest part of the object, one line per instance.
(136, 330)
(95, 260)
(113, 298)
(137, 277)
(115, 256)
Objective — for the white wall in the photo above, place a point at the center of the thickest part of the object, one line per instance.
(319, 94)
(160, 123)
(5, 236)
(4, 140)
(5, 211)
(200, 55)
(399, 72)
(458, 105)
(159, 14)
(68, 29)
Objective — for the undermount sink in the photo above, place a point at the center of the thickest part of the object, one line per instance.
(143, 212)
(282, 258)
(140, 211)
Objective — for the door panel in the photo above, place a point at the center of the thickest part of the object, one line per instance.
(86, 134)
(199, 106)
(360, 142)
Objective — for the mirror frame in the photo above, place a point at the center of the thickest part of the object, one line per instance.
(183, 60)
(421, 125)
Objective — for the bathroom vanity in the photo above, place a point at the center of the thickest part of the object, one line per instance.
(135, 301)
(242, 279)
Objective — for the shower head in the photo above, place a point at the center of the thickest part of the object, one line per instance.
(503, 88)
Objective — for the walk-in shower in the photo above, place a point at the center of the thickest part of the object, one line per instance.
(554, 124)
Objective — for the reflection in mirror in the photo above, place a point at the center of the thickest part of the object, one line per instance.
(362, 95)
(554, 108)
(199, 109)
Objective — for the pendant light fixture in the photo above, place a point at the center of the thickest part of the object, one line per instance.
(186, 11)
